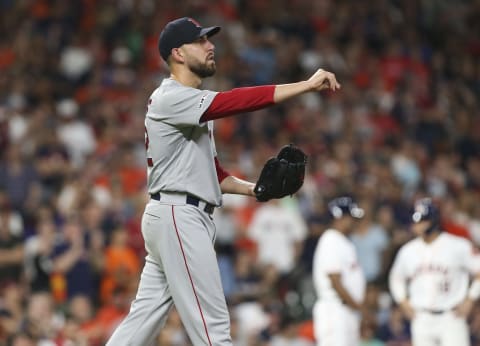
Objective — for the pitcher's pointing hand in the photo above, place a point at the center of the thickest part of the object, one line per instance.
(322, 80)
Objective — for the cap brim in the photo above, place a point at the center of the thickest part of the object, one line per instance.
(210, 31)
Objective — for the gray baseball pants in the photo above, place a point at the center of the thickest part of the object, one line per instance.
(181, 268)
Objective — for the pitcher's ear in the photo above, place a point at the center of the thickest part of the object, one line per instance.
(177, 55)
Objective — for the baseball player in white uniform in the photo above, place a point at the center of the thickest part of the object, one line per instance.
(338, 279)
(430, 280)
(185, 183)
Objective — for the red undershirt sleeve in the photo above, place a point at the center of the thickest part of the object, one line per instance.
(221, 173)
(239, 100)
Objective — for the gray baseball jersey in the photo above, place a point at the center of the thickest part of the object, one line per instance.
(181, 266)
(183, 162)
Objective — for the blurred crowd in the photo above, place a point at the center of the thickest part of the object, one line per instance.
(75, 77)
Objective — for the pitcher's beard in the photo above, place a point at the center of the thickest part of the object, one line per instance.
(203, 70)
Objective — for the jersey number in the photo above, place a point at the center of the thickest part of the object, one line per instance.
(444, 286)
(147, 142)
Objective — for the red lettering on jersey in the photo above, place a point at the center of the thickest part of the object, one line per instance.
(147, 140)
(430, 268)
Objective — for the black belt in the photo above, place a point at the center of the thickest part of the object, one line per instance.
(192, 200)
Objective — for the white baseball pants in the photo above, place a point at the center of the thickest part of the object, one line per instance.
(444, 329)
(335, 324)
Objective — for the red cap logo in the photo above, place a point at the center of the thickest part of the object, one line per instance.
(194, 22)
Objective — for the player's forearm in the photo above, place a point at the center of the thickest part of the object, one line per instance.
(346, 297)
(398, 288)
(320, 80)
(66, 261)
(284, 92)
(237, 186)
(343, 293)
(407, 309)
(474, 290)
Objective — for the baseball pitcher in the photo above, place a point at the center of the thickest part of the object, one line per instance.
(430, 280)
(338, 279)
(186, 183)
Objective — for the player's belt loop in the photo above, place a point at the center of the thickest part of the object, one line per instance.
(155, 196)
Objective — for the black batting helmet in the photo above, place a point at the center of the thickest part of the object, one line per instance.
(345, 205)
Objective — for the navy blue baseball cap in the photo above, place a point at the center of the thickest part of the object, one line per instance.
(425, 209)
(181, 31)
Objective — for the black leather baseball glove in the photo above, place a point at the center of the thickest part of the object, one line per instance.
(282, 175)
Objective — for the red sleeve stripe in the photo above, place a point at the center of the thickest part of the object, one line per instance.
(221, 173)
(239, 100)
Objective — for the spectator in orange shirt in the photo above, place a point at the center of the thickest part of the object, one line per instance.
(121, 265)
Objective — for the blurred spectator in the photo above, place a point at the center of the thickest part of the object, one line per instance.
(39, 264)
(11, 245)
(23, 339)
(475, 325)
(79, 327)
(246, 279)
(396, 331)
(370, 240)
(53, 166)
(17, 177)
(473, 223)
(41, 321)
(405, 168)
(368, 328)
(450, 218)
(288, 335)
(109, 315)
(316, 223)
(173, 332)
(277, 229)
(73, 271)
(252, 319)
(134, 233)
(121, 265)
(75, 134)
(11, 309)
